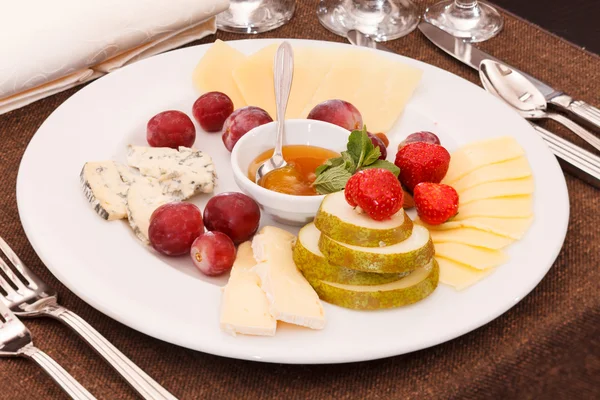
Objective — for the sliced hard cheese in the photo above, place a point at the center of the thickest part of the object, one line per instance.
(475, 257)
(513, 228)
(512, 169)
(104, 189)
(290, 296)
(254, 78)
(478, 154)
(514, 187)
(213, 72)
(470, 236)
(182, 173)
(144, 196)
(501, 207)
(460, 276)
(244, 306)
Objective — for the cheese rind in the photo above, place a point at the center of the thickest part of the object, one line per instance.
(182, 173)
(244, 305)
(104, 189)
(292, 299)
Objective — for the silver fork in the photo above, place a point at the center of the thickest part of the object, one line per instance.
(28, 296)
(15, 341)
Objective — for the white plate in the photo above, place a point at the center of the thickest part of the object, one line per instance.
(168, 299)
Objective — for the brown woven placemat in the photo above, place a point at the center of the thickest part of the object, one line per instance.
(547, 346)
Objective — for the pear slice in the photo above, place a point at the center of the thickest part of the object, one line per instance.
(415, 287)
(312, 263)
(338, 220)
(408, 255)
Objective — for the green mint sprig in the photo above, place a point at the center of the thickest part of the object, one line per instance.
(360, 154)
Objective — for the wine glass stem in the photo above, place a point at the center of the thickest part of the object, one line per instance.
(466, 4)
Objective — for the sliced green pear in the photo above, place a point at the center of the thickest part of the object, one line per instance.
(408, 255)
(338, 220)
(413, 288)
(312, 263)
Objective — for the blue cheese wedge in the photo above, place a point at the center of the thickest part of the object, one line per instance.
(244, 306)
(182, 173)
(145, 195)
(291, 298)
(105, 190)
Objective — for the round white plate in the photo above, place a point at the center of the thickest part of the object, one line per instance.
(167, 298)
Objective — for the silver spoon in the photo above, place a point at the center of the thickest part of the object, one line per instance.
(520, 93)
(283, 72)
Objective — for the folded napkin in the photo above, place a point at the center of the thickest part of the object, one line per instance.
(51, 46)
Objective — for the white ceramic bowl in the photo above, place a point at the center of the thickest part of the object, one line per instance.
(284, 208)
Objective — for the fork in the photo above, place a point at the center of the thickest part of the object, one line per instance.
(28, 296)
(15, 341)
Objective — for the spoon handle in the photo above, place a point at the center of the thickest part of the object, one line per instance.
(577, 129)
(283, 72)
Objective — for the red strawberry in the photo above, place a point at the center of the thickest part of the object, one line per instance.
(377, 191)
(435, 203)
(422, 162)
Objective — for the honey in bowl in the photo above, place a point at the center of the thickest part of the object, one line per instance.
(297, 177)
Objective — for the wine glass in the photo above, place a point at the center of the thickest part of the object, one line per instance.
(380, 19)
(255, 16)
(471, 20)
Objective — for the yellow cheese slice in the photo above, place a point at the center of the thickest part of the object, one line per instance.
(513, 228)
(470, 236)
(477, 154)
(475, 257)
(377, 86)
(512, 169)
(500, 207)
(514, 187)
(244, 306)
(460, 276)
(254, 77)
(213, 72)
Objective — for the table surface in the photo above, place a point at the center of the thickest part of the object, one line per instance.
(547, 346)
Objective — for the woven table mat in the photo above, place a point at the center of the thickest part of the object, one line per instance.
(547, 346)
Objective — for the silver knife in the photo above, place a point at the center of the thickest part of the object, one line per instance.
(472, 56)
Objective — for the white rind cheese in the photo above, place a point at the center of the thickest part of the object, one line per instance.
(105, 190)
(144, 196)
(244, 307)
(182, 173)
(290, 296)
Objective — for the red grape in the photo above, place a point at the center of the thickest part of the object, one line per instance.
(173, 228)
(423, 136)
(241, 121)
(384, 139)
(234, 214)
(378, 142)
(213, 253)
(170, 129)
(338, 112)
(211, 110)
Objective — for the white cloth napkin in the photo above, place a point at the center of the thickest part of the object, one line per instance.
(50, 46)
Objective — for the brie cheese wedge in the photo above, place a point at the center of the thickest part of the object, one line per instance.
(290, 296)
(182, 173)
(105, 190)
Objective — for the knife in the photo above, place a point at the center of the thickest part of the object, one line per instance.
(472, 56)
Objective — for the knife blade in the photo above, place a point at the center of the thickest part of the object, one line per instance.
(472, 56)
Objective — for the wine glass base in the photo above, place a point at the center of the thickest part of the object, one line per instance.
(381, 20)
(255, 16)
(473, 24)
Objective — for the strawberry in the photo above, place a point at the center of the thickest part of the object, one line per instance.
(435, 203)
(422, 162)
(377, 191)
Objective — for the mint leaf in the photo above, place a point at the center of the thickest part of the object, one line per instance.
(385, 165)
(332, 180)
(373, 156)
(332, 162)
(349, 162)
(359, 146)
